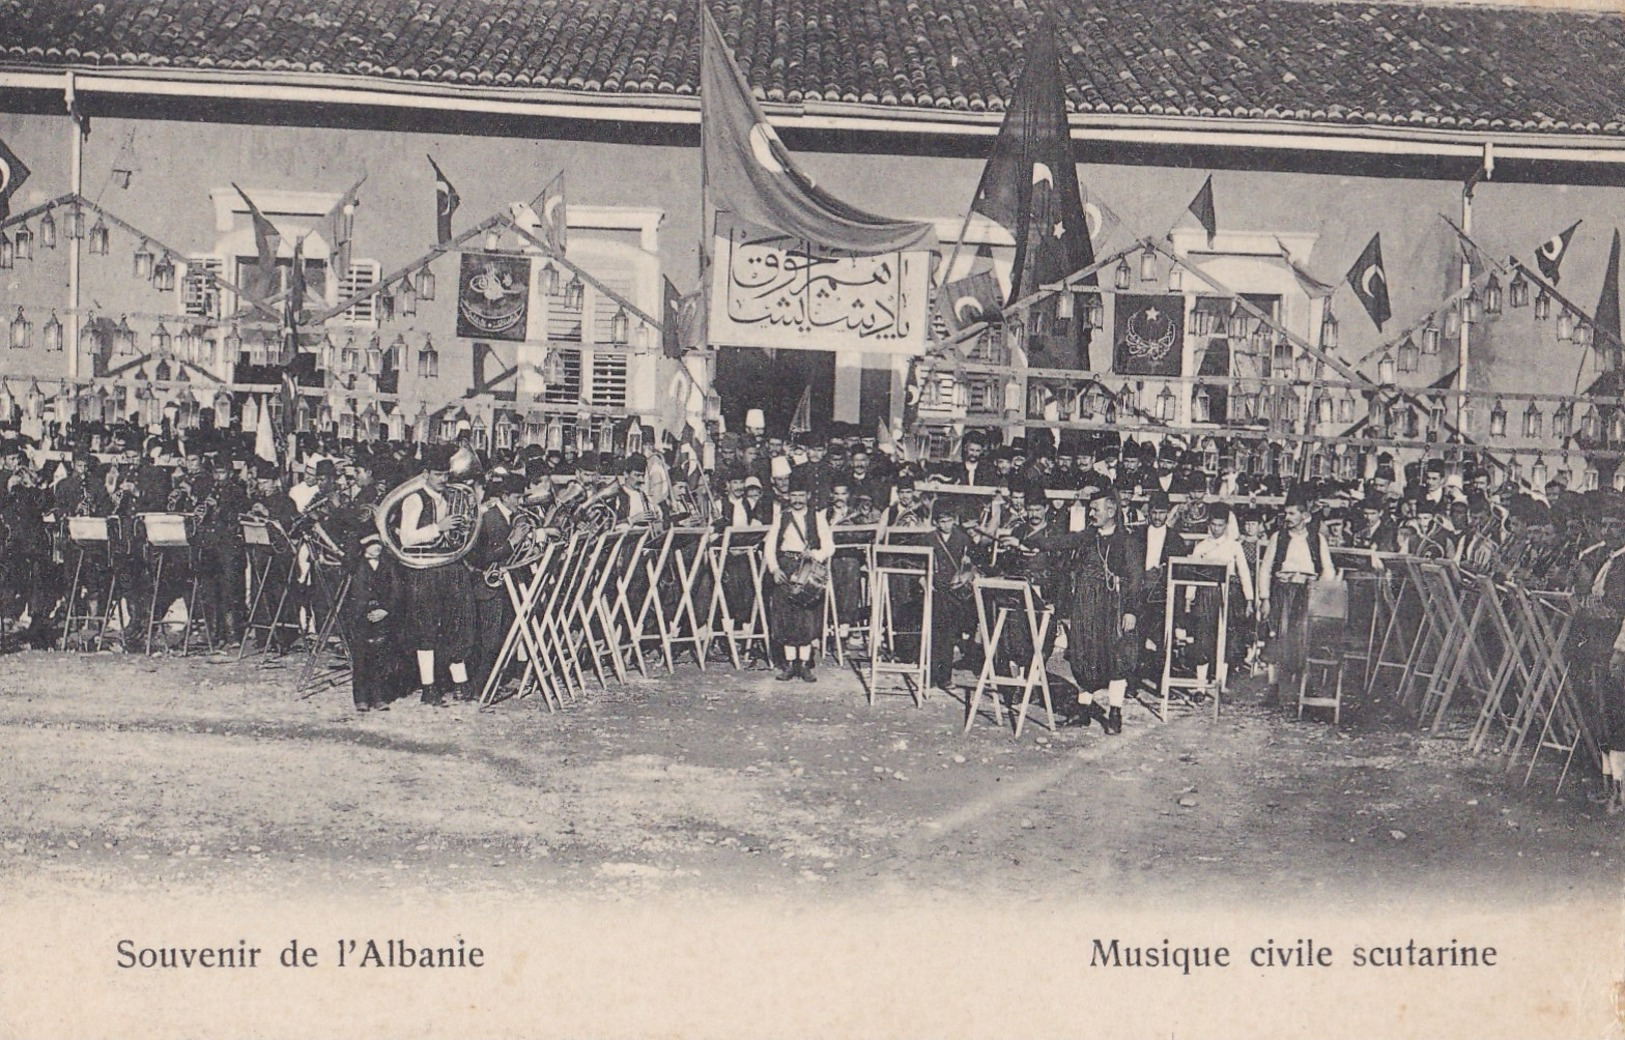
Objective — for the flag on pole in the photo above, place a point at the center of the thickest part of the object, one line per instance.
(1551, 252)
(671, 320)
(13, 171)
(1101, 218)
(550, 206)
(261, 283)
(1369, 280)
(1030, 186)
(340, 222)
(293, 304)
(801, 421)
(1202, 207)
(974, 298)
(749, 173)
(1607, 339)
(446, 201)
(265, 438)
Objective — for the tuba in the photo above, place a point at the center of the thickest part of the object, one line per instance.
(462, 506)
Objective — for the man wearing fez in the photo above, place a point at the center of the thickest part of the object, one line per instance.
(1221, 546)
(1103, 613)
(1296, 555)
(798, 534)
(493, 612)
(953, 606)
(438, 600)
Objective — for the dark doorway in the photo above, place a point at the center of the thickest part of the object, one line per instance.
(750, 378)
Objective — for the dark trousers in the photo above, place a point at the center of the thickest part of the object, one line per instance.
(493, 618)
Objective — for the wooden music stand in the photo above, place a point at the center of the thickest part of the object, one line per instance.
(1030, 675)
(909, 563)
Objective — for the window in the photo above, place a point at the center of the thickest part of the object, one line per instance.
(568, 389)
(609, 380)
(200, 293)
(363, 275)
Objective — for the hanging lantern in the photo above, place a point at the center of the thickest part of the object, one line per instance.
(1201, 321)
(160, 340)
(1538, 474)
(1220, 325)
(1472, 309)
(161, 372)
(1452, 321)
(1325, 409)
(98, 243)
(1064, 304)
(1582, 334)
(1122, 275)
(620, 325)
(1201, 405)
(1492, 296)
(1409, 358)
(1304, 368)
(1385, 370)
(1563, 420)
(406, 298)
(1167, 404)
(326, 354)
(349, 356)
(1519, 289)
(550, 279)
(1281, 366)
(301, 415)
(24, 245)
(1128, 399)
(1565, 325)
(52, 333)
(8, 252)
(428, 360)
(1176, 279)
(324, 416)
(1588, 426)
(124, 337)
(1498, 419)
(374, 363)
(142, 266)
(1095, 310)
(73, 222)
(22, 331)
(1543, 305)
(163, 274)
(493, 240)
(397, 352)
(1345, 407)
(553, 371)
(1431, 337)
(232, 345)
(1534, 422)
(1148, 264)
(574, 294)
(1328, 330)
(47, 231)
(426, 284)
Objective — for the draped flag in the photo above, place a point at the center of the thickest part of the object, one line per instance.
(1202, 207)
(1150, 336)
(801, 421)
(671, 320)
(446, 201)
(340, 222)
(1101, 218)
(749, 173)
(293, 304)
(973, 298)
(1369, 280)
(1312, 286)
(1030, 186)
(549, 205)
(13, 171)
(1551, 252)
(260, 282)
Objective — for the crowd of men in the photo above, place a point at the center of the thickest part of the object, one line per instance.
(1088, 521)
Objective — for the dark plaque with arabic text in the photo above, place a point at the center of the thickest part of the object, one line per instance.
(493, 297)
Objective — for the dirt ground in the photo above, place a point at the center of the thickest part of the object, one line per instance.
(134, 774)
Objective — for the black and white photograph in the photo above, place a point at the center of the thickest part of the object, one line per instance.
(861, 518)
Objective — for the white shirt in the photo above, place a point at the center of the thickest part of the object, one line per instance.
(1154, 538)
(1228, 551)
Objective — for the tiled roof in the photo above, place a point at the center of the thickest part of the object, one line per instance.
(1456, 67)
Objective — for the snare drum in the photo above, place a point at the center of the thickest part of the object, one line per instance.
(165, 530)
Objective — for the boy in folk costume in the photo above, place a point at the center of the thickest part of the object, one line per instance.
(1103, 612)
(797, 534)
(1221, 546)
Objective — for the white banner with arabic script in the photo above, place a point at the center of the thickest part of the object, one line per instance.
(773, 291)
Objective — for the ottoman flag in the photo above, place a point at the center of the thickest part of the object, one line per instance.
(13, 171)
(1369, 280)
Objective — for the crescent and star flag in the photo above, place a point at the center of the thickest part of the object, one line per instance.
(260, 282)
(446, 201)
(549, 205)
(1369, 279)
(1150, 336)
(1202, 207)
(671, 320)
(973, 298)
(1549, 255)
(1606, 318)
(13, 171)
(293, 303)
(1030, 186)
(801, 421)
(340, 223)
(1101, 218)
(749, 173)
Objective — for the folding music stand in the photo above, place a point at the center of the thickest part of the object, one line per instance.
(656, 564)
(280, 544)
(687, 558)
(995, 594)
(908, 563)
(524, 632)
(89, 535)
(1187, 576)
(628, 564)
(165, 533)
(746, 544)
(851, 540)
